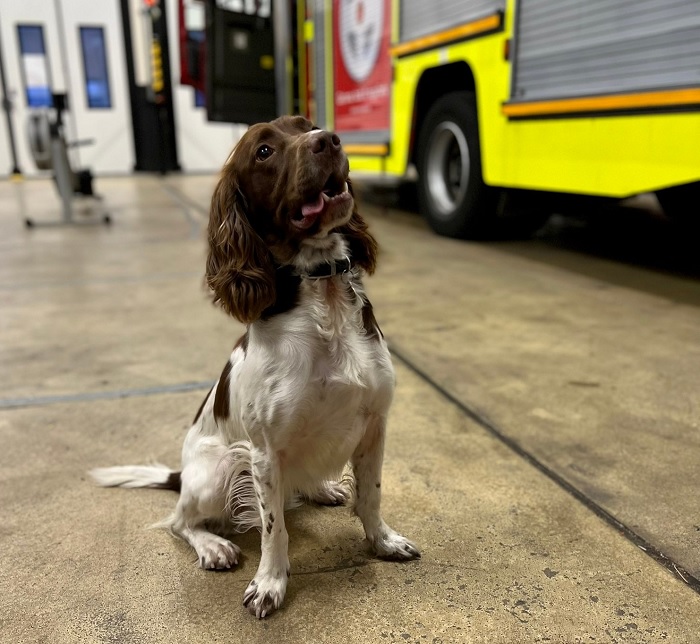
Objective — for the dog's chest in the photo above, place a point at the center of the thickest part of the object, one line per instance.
(314, 367)
(323, 429)
(308, 382)
(341, 354)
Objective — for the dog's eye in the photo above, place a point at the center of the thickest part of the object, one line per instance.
(264, 152)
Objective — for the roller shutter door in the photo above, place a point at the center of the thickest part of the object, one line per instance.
(424, 17)
(571, 48)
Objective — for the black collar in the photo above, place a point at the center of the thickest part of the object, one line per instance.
(328, 269)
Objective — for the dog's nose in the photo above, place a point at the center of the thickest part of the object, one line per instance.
(325, 141)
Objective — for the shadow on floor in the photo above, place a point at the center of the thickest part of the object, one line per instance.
(633, 247)
(639, 247)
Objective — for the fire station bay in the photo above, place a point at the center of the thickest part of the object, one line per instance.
(350, 321)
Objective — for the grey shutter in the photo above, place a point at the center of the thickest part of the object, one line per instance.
(424, 17)
(570, 48)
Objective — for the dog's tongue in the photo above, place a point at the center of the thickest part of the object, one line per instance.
(313, 208)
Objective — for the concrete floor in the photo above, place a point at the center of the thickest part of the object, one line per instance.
(543, 394)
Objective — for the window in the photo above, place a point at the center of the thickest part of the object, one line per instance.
(35, 69)
(92, 41)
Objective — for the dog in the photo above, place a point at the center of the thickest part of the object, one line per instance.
(307, 389)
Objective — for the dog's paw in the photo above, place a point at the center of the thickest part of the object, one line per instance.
(264, 595)
(330, 493)
(392, 545)
(217, 553)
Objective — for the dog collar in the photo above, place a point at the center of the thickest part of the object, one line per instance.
(328, 269)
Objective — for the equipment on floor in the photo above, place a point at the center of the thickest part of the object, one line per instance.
(49, 147)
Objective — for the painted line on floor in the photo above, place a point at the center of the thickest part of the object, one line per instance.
(187, 200)
(40, 401)
(96, 281)
(187, 205)
(480, 419)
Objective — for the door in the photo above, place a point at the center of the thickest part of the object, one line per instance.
(240, 62)
(73, 47)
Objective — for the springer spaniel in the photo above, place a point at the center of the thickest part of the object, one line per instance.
(307, 388)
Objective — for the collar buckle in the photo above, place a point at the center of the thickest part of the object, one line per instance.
(330, 269)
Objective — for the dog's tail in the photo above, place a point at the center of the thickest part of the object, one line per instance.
(153, 476)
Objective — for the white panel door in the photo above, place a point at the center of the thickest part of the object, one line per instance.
(110, 127)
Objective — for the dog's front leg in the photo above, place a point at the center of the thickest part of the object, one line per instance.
(367, 467)
(266, 591)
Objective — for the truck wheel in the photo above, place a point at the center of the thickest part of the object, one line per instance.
(451, 192)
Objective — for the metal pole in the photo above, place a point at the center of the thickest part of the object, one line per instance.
(283, 54)
(60, 27)
(62, 174)
(7, 107)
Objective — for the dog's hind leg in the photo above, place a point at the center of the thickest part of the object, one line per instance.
(214, 552)
(203, 499)
(329, 493)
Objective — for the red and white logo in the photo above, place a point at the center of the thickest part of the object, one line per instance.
(361, 30)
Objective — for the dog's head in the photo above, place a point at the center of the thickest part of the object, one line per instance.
(284, 186)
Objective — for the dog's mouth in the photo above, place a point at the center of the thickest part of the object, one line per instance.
(334, 193)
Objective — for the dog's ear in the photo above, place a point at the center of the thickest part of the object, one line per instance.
(239, 270)
(363, 246)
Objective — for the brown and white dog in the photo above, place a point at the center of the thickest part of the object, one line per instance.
(307, 388)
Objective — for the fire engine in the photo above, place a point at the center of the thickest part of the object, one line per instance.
(481, 97)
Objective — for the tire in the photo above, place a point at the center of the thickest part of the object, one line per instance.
(452, 195)
(451, 192)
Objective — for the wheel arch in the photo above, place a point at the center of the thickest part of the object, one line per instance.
(433, 84)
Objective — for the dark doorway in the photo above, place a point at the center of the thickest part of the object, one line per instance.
(152, 110)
